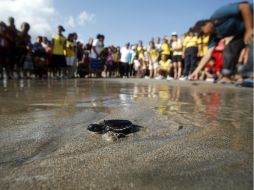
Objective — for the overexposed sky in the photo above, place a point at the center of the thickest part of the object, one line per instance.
(43, 16)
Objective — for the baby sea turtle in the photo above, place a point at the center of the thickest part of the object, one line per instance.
(112, 129)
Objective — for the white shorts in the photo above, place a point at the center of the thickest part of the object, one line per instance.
(70, 61)
(153, 65)
(136, 65)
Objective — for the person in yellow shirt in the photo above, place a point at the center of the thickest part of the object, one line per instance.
(70, 54)
(165, 67)
(140, 47)
(203, 45)
(190, 45)
(177, 48)
(116, 61)
(58, 62)
(153, 55)
(165, 49)
(141, 55)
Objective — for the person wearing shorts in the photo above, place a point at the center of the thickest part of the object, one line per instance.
(96, 57)
(176, 46)
(58, 62)
(165, 67)
(153, 60)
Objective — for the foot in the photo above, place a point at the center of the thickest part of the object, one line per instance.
(225, 80)
(169, 78)
(183, 78)
(210, 80)
(158, 77)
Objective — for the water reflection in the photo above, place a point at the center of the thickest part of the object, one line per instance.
(208, 105)
(71, 96)
(227, 113)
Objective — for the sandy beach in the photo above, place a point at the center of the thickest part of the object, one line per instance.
(194, 135)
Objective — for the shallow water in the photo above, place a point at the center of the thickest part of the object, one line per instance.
(194, 136)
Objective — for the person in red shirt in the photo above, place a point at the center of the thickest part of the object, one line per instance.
(212, 70)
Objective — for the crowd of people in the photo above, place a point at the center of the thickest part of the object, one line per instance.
(215, 50)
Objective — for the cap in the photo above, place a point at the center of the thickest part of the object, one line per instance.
(174, 34)
(165, 38)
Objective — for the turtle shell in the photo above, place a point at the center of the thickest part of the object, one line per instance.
(118, 126)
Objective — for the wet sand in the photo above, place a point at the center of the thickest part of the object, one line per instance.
(194, 135)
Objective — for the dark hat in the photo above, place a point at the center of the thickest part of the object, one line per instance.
(61, 28)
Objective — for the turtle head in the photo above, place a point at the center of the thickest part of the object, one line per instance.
(98, 128)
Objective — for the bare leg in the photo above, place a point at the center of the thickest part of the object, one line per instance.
(175, 70)
(179, 70)
(151, 73)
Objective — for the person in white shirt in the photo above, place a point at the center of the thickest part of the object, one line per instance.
(125, 53)
(158, 44)
(95, 57)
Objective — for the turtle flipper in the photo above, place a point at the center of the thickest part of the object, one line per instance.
(111, 136)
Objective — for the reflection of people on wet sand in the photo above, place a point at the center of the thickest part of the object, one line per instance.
(213, 105)
(231, 20)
